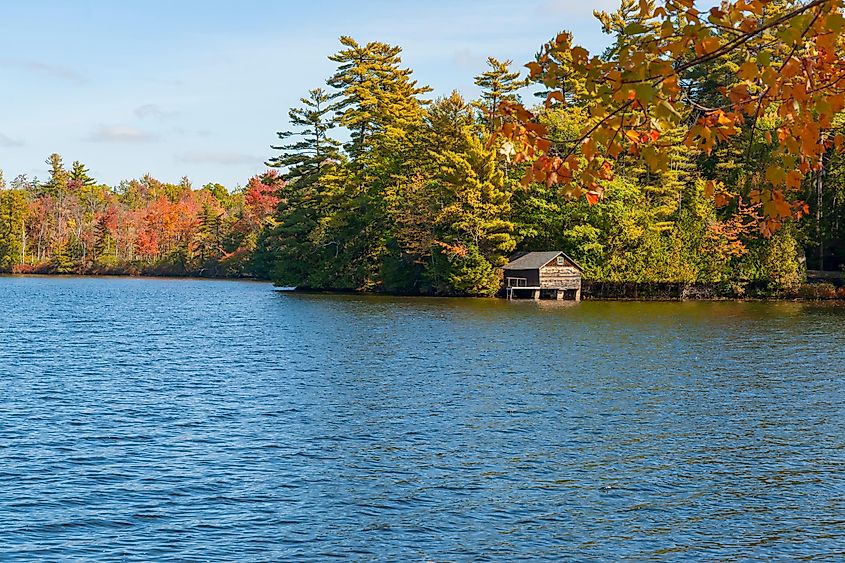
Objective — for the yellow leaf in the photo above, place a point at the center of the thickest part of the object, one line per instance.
(649, 154)
(775, 175)
(748, 71)
(724, 119)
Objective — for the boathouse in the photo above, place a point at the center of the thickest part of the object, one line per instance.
(543, 274)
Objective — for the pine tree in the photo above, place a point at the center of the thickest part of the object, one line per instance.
(377, 100)
(13, 213)
(497, 85)
(455, 219)
(568, 85)
(310, 161)
(305, 158)
(105, 247)
(59, 177)
(62, 262)
(79, 175)
(415, 202)
(379, 103)
(209, 234)
(477, 214)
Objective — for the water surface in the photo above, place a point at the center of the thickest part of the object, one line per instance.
(145, 419)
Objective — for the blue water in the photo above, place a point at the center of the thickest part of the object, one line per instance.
(176, 420)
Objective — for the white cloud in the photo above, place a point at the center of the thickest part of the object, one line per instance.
(120, 134)
(211, 157)
(154, 111)
(468, 59)
(8, 142)
(54, 71)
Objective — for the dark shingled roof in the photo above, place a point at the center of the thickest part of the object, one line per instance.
(536, 260)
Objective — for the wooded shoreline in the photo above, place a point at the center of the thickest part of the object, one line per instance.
(591, 290)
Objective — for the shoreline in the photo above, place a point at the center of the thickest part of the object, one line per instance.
(133, 276)
(589, 294)
(642, 299)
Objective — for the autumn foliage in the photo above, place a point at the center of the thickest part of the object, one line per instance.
(67, 225)
(786, 68)
(686, 152)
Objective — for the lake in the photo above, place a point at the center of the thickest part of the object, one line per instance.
(157, 419)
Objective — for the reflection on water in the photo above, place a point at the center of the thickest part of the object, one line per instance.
(182, 420)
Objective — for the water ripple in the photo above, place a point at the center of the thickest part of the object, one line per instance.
(177, 420)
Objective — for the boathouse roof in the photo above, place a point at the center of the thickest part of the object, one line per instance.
(536, 260)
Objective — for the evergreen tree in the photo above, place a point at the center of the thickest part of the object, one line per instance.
(305, 159)
(476, 219)
(13, 213)
(454, 217)
(59, 177)
(79, 175)
(62, 262)
(309, 162)
(497, 85)
(105, 245)
(379, 103)
(208, 242)
(377, 99)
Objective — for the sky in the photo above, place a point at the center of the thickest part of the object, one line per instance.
(199, 88)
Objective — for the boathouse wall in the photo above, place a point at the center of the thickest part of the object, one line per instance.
(560, 277)
(532, 277)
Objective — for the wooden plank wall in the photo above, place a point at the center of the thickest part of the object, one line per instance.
(560, 277)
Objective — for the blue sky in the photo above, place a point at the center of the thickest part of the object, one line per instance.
(195, 88)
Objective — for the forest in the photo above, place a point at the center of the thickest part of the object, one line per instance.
(698, 148)
(71, 224)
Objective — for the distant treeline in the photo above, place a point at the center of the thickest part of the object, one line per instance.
(71, 224)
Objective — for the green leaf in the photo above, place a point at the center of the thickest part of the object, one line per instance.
(634, 28)
(644, 92)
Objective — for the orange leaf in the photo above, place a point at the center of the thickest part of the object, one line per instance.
(793, 179)
(544, 145)
(707, 45)
(579, 55)
(555, 95)
(589, 149)
(534, 68)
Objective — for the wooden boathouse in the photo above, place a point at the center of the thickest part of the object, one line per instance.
(543, 274)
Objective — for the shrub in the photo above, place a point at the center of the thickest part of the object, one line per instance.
(817, 291)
